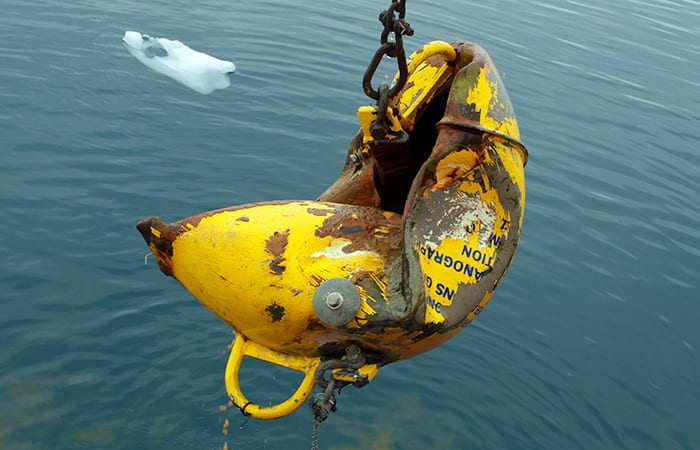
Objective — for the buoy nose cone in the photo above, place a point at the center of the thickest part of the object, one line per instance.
(144, 227)
(160, 240)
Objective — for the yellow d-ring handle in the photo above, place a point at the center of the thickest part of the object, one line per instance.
(430, 49)
(243, 347)
(424, 79)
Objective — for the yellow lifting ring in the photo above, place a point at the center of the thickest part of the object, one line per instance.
(243, 347)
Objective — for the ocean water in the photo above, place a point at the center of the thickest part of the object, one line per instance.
(591, 341)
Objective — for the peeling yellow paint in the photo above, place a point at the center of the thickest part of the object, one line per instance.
(484, 97)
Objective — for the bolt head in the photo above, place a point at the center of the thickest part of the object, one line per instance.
(334, 300)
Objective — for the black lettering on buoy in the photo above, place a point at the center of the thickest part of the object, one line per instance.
(466, 251)
(444, 291)
(438, 257)
(433, 304)
(477, 256)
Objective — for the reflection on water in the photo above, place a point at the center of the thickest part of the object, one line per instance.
(590, 342)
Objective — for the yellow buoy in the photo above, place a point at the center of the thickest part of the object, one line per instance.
(396, 257)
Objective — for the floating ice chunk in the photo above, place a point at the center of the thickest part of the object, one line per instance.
(194, 69)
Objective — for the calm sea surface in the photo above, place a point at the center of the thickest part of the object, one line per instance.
(591, 342)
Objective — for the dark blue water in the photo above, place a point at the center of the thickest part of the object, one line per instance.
(591, 341)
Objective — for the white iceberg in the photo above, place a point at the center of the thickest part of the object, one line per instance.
(194, 69)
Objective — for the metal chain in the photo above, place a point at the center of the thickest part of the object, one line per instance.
(394, 24)
(323, 404)
(314, 436)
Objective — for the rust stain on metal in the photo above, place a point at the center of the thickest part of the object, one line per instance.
(159, 236)
(313, 324)
(437, 61)
(454, 166)
(363, 278)
(275, 311)
(320, 211)
(366, 229)
(349, 230)
(316, 280)
(276, 245)
(356, 183)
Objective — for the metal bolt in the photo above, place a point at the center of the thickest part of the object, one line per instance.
(334, 300)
